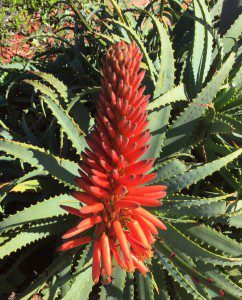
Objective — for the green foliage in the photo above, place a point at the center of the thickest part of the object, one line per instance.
(193, 76)
(202, 45)
(114, 290)
(182, 132)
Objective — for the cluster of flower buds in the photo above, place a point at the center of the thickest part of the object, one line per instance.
(113, 176)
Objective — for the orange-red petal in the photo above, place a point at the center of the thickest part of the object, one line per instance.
(126, 204)
(82, 226)
(122, 239)
(75, 243)
(96, 264)
(143, 200)
(106, 254)
(117, 255)
(139, 265)
(92, 208)
(138, 233)
(83, 197)
(72, 210)
(144, 213)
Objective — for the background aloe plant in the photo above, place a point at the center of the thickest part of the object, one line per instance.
(194, 77)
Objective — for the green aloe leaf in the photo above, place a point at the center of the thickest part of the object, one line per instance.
(181, 181)
(161, 292)
(114, 291)
(6, 189)
(176, 94)
(178, 201)
(55, 82)
(181, 133)
(230, 289)
(178, 277)
(169, 169)
(232, 34)
(186, 266)
(67, 123)
(216, 10)
(82, 286)
(32, 234)
(178, 240)
(158, 122)
(212, 238)
(61, 169)
(216, 210)
(202, 46)
(129, 288)
(165, 80)
(42, 210)
(61, 261)
(144, 286)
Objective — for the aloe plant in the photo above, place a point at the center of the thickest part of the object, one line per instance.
(192, 74)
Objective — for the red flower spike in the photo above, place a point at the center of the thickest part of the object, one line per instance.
(112, 174)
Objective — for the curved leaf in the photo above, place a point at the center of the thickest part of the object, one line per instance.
(74, 133)
(181, 181)
(61, 169)
(42, 210)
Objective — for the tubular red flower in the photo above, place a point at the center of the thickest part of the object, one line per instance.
(117, 255)
(146, 224)
(126, 204)
(106, 255)
(147, 215)
(92, 208)
(144, 201)
(96, 264)
(89, 222)
(137, 231)
(75, 243)
(112, 173)
(139, 265)
(83, 197)
(123, 243)
(72, 210)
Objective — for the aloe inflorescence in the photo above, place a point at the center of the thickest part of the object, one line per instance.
(113, 174)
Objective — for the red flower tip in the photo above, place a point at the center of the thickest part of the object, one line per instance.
(96, 261)
(75, 243)
(92, 208)
(113, 175)
(106, 255)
